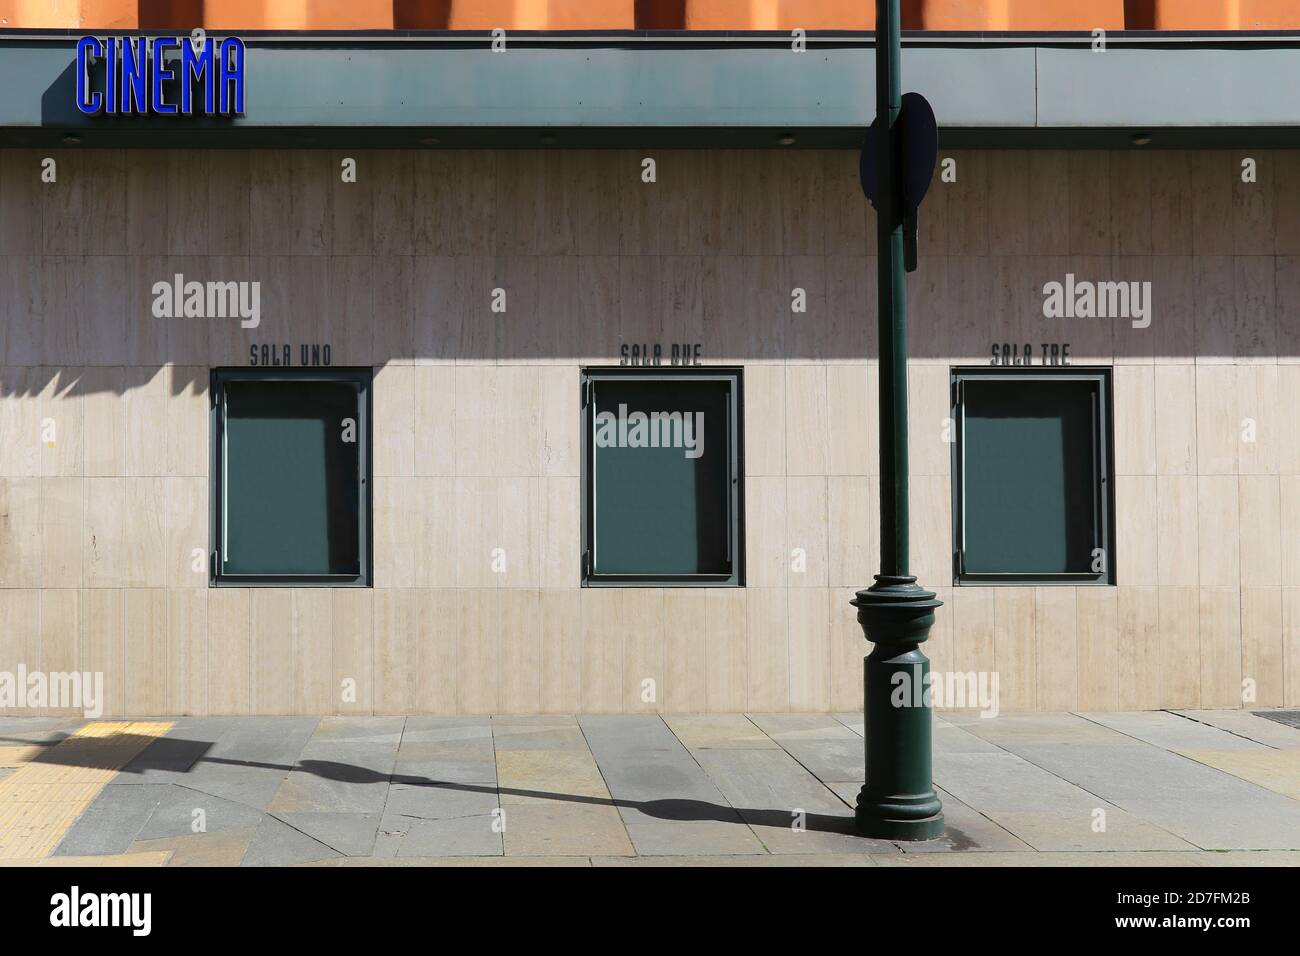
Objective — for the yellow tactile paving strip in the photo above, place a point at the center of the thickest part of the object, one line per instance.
(42, 798)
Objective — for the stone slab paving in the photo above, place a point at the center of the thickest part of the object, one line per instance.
(446, 750)
(183, 810)
(1248, 725)
(954, 739)
(554, 800)
(565, 829)
(250, 760)
(1276, 770)
(1041, 809)
(468, 835)
(111, 823)
(965, 827)
(226, 848)
(785, 859)
(27, 730)
(652, 776)
(276, 843)
(803, 726)
(1209, 808)
(719, 789)
(1287, 716)
(456, 861)
(826, 746)
(701, 838)
(788, 808)
(706, 731)
(537, 733)
(856, 724)
(1174, 732)
(348, 833)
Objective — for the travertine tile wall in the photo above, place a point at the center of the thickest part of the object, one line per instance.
(476, 415)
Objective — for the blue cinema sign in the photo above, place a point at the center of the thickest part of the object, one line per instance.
(161, 76)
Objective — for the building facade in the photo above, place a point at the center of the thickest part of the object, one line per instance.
(1105, 417)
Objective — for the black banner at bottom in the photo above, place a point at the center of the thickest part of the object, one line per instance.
(338, 905)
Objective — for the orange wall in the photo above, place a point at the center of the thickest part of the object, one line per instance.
(1225, 14)
(648, 14)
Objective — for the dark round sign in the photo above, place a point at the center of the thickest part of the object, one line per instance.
(918, 135)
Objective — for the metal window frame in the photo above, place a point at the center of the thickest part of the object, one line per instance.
(1104, 479)
(734, 375)
(363, 378)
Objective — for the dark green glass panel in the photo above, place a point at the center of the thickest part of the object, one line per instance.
(1030, 475)
(291, 483)
(658, 510)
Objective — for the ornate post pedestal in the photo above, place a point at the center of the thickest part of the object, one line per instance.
(898, 801)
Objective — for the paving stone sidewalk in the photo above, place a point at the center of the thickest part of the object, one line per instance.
(1190, 788)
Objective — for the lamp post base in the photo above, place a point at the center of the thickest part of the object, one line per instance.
(898, 801)
(873, 821)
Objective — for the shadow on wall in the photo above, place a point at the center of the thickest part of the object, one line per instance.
(564, 257)
(422, 14)
(660, 14)
(170, 14)
(59, 101)
(1139, 14)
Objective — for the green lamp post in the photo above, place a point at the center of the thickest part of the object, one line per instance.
(898, 801)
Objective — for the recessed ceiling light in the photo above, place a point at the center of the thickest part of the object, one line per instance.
(786, 139)
(430, 141)
(72, 139)
(1140, 139)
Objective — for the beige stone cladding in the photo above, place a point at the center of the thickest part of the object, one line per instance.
(104, 421)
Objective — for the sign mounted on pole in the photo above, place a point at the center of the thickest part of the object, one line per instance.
(918, 145)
